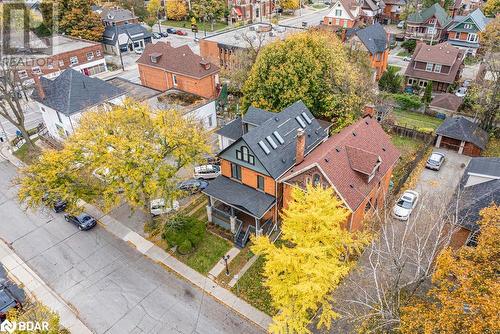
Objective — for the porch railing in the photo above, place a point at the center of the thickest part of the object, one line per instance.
(238, 229)
(266, 227)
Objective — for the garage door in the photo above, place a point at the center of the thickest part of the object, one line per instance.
(450, 144)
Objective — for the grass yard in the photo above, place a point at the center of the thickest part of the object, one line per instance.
(395, 67)
(493, 148)
(417, 120)
(28, 154)
(207, 254)
(201, 25)
(235, 266)
(250, 287)
(408, 148)
(403, 53)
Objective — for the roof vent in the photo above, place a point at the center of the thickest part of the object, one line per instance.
(351, 186)
(337, 149)
(383, 149)
(283, 160)
(354, 134)
(366, 122)
(326, 160)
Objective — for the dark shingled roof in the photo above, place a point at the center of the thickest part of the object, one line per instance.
(435, 10)
(474, 198)
(72, 92)
(447, 101)
(461, 128)
(116, 14)
(134, 31)
(256, 116)
(374, 38)
(232, 130)
(240, 196)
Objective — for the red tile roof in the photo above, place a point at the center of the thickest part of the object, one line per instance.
(181, 60)
(345, 159)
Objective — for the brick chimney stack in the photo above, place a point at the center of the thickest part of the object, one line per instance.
(369, 110)
(300, 146)
(39, 87)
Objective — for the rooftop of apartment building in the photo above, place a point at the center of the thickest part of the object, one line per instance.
(174, 99)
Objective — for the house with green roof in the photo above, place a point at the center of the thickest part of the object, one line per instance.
(464, 31)
(428, 24)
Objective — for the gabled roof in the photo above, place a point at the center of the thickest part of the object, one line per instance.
(461, 128)
(134, 31)
(256, 116)
(180, 60)
(374, 38)
(72, 92)
(476, 16)
(435, 10)
(442, 53)
(278, 160)
(447, 101)
(485, 166)
(232, 130)
(346, 157)
(116, 14)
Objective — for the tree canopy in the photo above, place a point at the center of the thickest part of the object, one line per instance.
(36, 312)
(176, 10)
(127, 153)
(466, 291)
(391, 81)
(302, 272)
(314, 67)
(491, 7)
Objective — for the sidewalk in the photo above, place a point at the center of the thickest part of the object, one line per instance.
(34, 285)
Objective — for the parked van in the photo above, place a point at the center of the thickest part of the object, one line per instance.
(158, 207)
(206, 172)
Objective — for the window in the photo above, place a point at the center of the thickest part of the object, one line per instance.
(422, 83)
(236, 171)
(377, 56)
(338, 12)
(73, 60)
(467, 26)
(260, 182)
(472, 239)
(437, 68)
(472, 37)
(36, 70)
(337, 22)
(308, 120)
(411, 81)
(22, 74)
(278, 137)
(345, 23)
(174, 79)
(300, 121)
(316, 180)
(271, 142)
(90, 55)
(428, 67)
(97, 53)
(243, 154)
(431, 30)
(210, 122)
(61, 63)
(264, 147)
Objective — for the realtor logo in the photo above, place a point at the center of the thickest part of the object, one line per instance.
(7, 326)
(23, 326)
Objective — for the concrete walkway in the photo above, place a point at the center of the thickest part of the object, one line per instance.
(221, 265)
(243, 270)
(34, 285)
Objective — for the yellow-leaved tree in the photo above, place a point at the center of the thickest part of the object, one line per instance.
(289, 4)
(126, 154)
(465, 297)
(176, 10)
(302, 272)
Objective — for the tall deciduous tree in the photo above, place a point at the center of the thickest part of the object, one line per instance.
(491, 7)
(302, 272)
(289, 4)
(153, 8)
(176, 10)
(466, 293)
(391, 81)
(208, 10)
(135, 154)
(314, 67)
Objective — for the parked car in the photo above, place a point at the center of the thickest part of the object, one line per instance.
(206, 172)
(83, 221)
(181, 33)
(192, 185)
(158, 207)
(435, 161)
(59, 205)
(164, 34)
(401, 24)
(461, 92)
(171, 30)
(405, 205)
(139, 50)
(7, 301)
(407, 58)
(156, 35)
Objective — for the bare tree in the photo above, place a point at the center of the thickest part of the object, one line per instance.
(13, 97)
(489, 92)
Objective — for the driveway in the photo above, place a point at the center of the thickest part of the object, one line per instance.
(112, 287)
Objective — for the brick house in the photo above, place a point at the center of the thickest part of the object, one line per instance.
(440, 64)
(461, 135)
(357, 163)
(465, 32)
(371, 11)
(249, 10)
(375, 41)
(163, 67)
(392, 10)
(81, 55)
(247, 197)
(479, 188)
(343, 14)
(428, 24)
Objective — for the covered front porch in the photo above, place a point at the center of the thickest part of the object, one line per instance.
(241, 209)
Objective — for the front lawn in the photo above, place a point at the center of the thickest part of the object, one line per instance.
(28, 154)
(403, 53)
(417, 120)
(235, 266)
(207, 254)
(201, 25)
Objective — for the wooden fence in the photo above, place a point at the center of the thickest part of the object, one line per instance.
(409, 132)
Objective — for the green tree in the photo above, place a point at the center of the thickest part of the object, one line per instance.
(314, 67)
(208, 10)
(289, 4)
(391, 81)
(302, 272)
(135, 154)
(427, 93)
(409, 45)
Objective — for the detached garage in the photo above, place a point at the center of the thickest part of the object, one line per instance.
(461, 135)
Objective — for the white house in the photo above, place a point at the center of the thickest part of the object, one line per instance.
(63, 100)
(125, 38)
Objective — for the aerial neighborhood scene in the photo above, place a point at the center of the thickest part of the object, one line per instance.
(250, 166)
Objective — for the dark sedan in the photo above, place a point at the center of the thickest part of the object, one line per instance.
(58, 206)
(192, 185)
(83, 221)
(163, 34)
(172, 31)
(7, 301)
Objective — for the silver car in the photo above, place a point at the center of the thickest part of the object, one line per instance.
(405, 205)
(435, 161)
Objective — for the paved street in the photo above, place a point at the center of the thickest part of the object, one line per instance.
(312, 19)
(113, 287)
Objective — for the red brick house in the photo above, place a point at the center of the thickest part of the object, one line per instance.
(249, 10)
(163, 67)
(357, 163)
(343, 14)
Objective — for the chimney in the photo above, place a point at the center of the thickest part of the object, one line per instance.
(369, 110)
(39, 87)
(300, 146)
(205, 64)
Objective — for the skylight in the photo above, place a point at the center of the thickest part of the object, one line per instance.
(264, 147)
(271, 142)
(278, 137)
(300, 121)
(308, 120)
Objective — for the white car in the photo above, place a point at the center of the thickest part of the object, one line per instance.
(461, 92)
(401, 24)
(158, 207)
(206, 172)
(407, 58)
(405, 205)
(139, 50)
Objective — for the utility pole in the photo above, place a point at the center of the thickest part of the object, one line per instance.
(119, 50)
